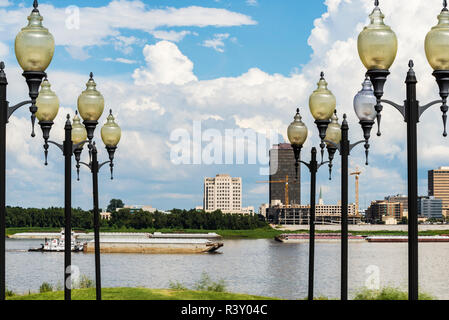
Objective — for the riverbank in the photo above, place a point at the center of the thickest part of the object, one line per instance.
(140, 294)
(270, 233)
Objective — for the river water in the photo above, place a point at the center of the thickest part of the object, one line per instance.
(259, 267)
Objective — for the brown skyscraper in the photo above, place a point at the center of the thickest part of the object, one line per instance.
(282, 164)
(438, 185)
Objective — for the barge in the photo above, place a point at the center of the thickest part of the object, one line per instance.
(154, 246)
(304, 237)
(405, 239)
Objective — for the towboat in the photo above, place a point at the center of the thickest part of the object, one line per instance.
(58, 245)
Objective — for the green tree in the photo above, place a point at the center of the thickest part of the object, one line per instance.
(114, 204)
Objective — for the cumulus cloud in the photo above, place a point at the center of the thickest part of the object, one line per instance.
(166, 95)
(165, 65)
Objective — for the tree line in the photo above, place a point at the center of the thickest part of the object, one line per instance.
(17, 217)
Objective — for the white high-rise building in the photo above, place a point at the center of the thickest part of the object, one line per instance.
(223, 193)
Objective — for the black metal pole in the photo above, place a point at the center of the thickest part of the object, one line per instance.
(412, 118)
(68, 151)
(94, 170)
(344, 145)
(313, 170)
(3, 121)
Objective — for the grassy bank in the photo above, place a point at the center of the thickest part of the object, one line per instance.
(263, 233)
(169, 294)
(140, 294)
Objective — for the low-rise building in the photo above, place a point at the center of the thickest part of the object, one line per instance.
(138, 208)
(299, 214)
(430, 207)
(384, 208)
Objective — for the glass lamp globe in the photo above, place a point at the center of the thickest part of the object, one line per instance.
(377, 43)
(111, 132)
(91, 102)
(333, 132)
(79, 132)
(365, 102)
(437, 42)
(47, 103)
(34, 45)
(322, 102)
(297, 131)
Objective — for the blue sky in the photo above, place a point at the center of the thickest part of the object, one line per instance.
(162, 65)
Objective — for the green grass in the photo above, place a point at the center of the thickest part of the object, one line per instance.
(140, 294)
(387, 293)
(261, 233)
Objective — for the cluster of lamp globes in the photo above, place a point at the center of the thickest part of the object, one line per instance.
(377, 48)
(34, 47)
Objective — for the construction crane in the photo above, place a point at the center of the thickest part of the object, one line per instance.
(286, 187)
(356, 173)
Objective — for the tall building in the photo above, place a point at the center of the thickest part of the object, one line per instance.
(430, 207)
(282, 164)
(223, 193)
(438, 185)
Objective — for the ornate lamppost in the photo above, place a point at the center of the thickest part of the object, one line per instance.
(377, 47)
(322, 105)
(91, 104)
(34, 48)
(337, 139)
(110, 134)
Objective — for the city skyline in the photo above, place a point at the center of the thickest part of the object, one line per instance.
(212, 66)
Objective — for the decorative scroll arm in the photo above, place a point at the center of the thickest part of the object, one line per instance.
(12, 109)
(398, 107)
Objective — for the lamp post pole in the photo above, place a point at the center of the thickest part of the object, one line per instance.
(68, 152)
(3, 121)
(94, 170)
(110, 134)
(313, 167)
(411, 111)
(377, 46)
(345, 148)
(33, 80)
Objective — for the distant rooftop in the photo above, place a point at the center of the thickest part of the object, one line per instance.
(282, 146)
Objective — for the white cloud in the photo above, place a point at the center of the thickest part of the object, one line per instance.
(120, 60)
(171, 35)
(165, 65)
(252, 2)
(97, 25)
(166, 95)
(217, 43)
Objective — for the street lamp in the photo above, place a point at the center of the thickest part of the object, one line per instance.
(377, 46)
(73, 142)
(34, 48)
(110, 134)
(337, 139)
(322, 104)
